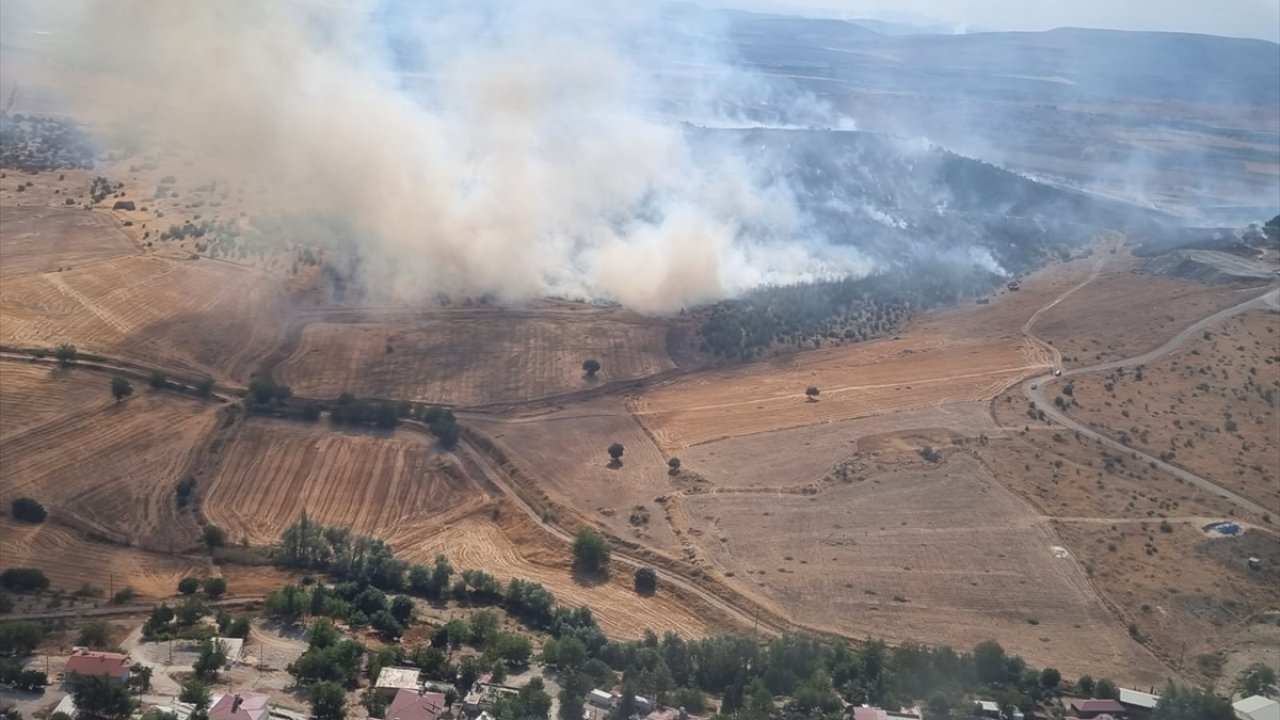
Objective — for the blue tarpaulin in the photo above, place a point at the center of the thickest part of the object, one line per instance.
(1227, 528)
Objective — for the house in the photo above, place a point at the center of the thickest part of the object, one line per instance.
(643, 706)
(600, 698)
(666, 713)
(415, 705)
(869, 713)
(393, 679)
(1138, 703)
(1257, 707)
(986, 709)
(87, 663)
(483, 696)
(241, 706)
(1094, 707)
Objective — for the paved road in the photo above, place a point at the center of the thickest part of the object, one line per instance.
(1034, 389)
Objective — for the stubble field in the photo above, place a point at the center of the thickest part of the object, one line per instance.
(38, 240)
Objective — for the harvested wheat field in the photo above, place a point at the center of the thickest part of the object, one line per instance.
(913, 550)
(70, 561)
(469, 357)
(392, 485)
(106, 468)
(206, 316)
(518, 549)
(565, 454)
(1211, 407)
(37, 240)
(863, 380)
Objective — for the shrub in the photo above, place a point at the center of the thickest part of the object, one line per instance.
(188, 585)
(812, 392)
(27, 510)
(204, 388)
(95, 634)
(591, 366)
(590, 552)
(646, 581)
(674, 465)
(157, 380)
(214, 536)
(615, 452)
(66, 355)
(121, 388)
(215, 586)
(123, 595)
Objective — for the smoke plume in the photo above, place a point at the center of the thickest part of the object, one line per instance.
(522, 148)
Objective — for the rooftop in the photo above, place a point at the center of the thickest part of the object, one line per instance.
(100, 664)
(1137, 698)
(1096, 705)
(414, 705)
(1258, 707)
(240, 706)
(398, 678)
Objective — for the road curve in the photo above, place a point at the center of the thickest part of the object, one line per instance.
(1034, 390)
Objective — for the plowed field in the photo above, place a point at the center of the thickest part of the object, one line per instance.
(39, 239)
(101, 467)
(206, 316)
(474, 357)
(394, 486)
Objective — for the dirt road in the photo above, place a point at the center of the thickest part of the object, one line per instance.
(1034, 389)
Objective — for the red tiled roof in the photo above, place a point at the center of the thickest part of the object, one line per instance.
(413, 705)
(240, 706)
(1097, 706)
(869, 713)
(99, 664)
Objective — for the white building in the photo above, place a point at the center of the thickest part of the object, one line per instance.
(1257, 708)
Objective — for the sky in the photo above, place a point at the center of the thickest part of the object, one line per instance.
(1235, 18)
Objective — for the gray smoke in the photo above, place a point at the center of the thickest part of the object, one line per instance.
(523, 148)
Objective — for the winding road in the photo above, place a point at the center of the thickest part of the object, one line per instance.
(1034, 390)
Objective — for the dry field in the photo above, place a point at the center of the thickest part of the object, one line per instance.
(912, 550)
(37, 240)
(1122, 314)
(70, 561)
(565, 452)
(100, 467)
(207, 316)
(1207, 406)
(518, 549)
(394, 486)
(467, 357)
(1182, 591)
(874, 378)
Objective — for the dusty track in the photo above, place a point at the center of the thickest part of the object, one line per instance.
(1034, 389)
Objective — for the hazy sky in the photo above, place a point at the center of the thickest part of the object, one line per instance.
(1238, 18)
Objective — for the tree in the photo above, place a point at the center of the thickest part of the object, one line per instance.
(989, 662)
(328, 701)
(288, 604)
(590, 552)
(812, 392)
(1192, 704)
(95, 634)
(211, 660)
(20, 638)
(100, 697)
(139, 678)
(674, 465)
(615, 453)
(591, 366)
(121, 388)
(27, 510)
(215, 586)
(402, 609)
(573, 698)
(214, 537)
(939, 707)
(188, 585)
(204, 388)
(1050, 679)
(196, 693)
(1257, 679)
(1105, 688)
(66, 355)
(386, 625)
(1085, 685)
(157, 380)
(24, 579)
(646, 581)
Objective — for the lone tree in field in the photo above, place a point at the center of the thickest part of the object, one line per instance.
(590, 552)
(646, 581)
(66, 354)
(591, 366)
(615, 453)
(812, 392)
(27, 510)
(674, 465)
(121, 388)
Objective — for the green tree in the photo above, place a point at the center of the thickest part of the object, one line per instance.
(66, 355)
(20, 637)
(24, 579)
(95, 634)
(289, 603)
(139, 678)
(211, 660)
(812, 392)
(204, 387)
(402, 609)
(214, 536)
(328, 701)
(590, 552)
(1106, 688)
(591, 366)
(1085, 685)
(673, 466)
(157, 380)
(1050, 679)
(1178, 703)
(27, 510)
(100, 697)
(188, 585)
(938, 708)
(615, 453)
(215, 587)
(1257, 679)
(121, 388)
(646, 581)
(196, 693)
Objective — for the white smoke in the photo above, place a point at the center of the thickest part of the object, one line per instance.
(510, 148)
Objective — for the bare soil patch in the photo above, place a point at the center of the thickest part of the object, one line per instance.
(475, 357)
